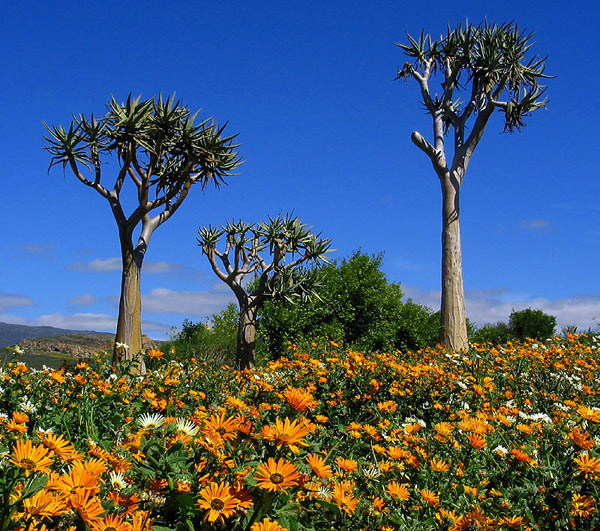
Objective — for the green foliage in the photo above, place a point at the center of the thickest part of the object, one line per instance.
(213, 340)
(357, 306)
(534, 324)
(523, 324)
(496, 334)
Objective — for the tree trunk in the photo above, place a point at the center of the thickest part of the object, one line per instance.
(128, 341)
(246, 337)
(453, 319)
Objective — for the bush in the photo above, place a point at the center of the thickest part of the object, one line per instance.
(534, 324)
(212, 340)
(357, 306)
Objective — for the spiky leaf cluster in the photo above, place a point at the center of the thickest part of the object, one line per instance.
(274, 251)
(157, 142)
(488, 62)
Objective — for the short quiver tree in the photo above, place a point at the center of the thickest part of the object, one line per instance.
(162, 152)
(487, 65)
(260, 261)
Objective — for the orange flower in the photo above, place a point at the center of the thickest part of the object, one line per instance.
(43, 504)
(20, 418)
(318, 466)
(277, 475)
(589, 413)
(87, 505)
(31, 458)
(396, 490)
(512, 521)
(589, 466)
(581, 438)
(343, 498)
(11, 425)
(582, 506)
(523, 456)
(430, 497)
(477, 441)
(111, 522)
(286, 432)
(155, 353)
(299, 399)
(59, 445)
(439, 465)
(218, 428)
(267, 525)
(349, 465)
(218, 501)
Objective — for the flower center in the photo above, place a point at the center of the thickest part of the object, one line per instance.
(276, 478)
(216, 504)
(28, 464)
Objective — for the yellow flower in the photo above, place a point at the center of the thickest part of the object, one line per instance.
(290, 433)
(343, 498)
(430, 497)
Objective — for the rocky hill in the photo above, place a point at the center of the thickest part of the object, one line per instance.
(76, 345)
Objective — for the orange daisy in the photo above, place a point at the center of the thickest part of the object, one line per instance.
(396, 490)
(349, 465)
(589, 413)
(582, 506)
(299, 399)
(318, 466)
(43, 504)
(343, 498)
(439, 465)
(267, 525)
(588, 466)
(277, 475)
(290, 433)
(59, 445)
(31, 458)
(581, 438)
(219, 428)
(111, 522)
(477, 441)
(87, 505)
(430, 497)
(218, 502)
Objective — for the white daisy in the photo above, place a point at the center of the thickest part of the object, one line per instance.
(151, 421)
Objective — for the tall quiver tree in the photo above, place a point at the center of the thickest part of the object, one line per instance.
(162, 151)
(487, 65)
(260, 261)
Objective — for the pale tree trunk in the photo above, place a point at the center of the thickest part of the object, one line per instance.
(453, 319)
(246, 341)
(129, 324)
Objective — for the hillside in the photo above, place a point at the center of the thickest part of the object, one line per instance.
(11, 334)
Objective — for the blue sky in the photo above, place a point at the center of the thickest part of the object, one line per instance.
(325, 131)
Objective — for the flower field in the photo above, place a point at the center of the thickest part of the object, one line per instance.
(497, 438)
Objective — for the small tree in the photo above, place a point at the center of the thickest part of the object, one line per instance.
(357, 305)
(534, 324)
(162, 151)
(290, 244)
(487, 63)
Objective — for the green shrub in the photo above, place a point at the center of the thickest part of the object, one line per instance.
(357, 307)
(534, 324)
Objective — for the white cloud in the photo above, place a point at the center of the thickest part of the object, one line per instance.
(188, 303)
(35, 248)
(491, 306)
(14, 300)
(98, 265)
(82, 300)
(538, 224)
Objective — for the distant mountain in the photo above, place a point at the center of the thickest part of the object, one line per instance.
(11, 334)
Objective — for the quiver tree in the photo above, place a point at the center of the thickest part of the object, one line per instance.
(260, 261)
(162, 152)
(487, 66)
